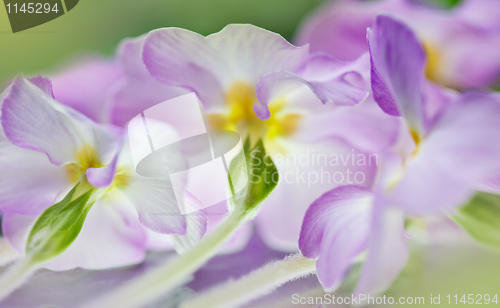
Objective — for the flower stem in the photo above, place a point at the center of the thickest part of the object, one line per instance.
(16, 275)
(171, 274)
(256, 284)
(7, 253)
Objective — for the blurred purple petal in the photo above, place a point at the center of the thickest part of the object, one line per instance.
(84, 86)
(29, 183)
(137, 90)
(387, 250)
(364, 126)
(102, 177)
(461, 149)
(491, 184)
(339, 27)
(460, 43)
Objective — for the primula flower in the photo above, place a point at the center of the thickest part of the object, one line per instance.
(460, 43)
(47, 147)
(254, 82)
(136, 91)
(436, 165)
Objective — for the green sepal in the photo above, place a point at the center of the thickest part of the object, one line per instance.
(58, 226)
(480, 217)
(261, 174)
(440, 4)
(446, 4)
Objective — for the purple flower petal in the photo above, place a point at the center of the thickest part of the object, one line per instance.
(302, 181)
(364, 126)
(102, 177)
(330, 80)
(461, 150)
(44, 84)
(339, 28)
(85, 86)
(323, 67)
(209, 65)
(137, 90)
(335, 230)
(278, 84)
(33, 120)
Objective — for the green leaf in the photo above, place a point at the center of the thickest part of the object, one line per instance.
(258, 170)
(443, 4)
(480, 217)
(58, 226)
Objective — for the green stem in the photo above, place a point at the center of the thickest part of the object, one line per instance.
(256, 284)
(16, 275)
(7, 253)
(171, 274)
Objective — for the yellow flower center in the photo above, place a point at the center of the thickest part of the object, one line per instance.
(122, 178)
(398, 176)
(240, 117)
(433, 68)
(86, 157)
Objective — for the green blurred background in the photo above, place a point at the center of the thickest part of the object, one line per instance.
(97, 26)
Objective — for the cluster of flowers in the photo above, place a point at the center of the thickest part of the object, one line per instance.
(394, 91)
